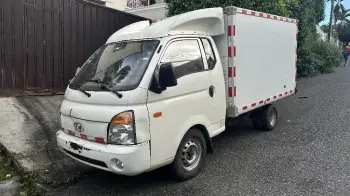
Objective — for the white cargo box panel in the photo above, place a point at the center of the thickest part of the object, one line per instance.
(261, 63)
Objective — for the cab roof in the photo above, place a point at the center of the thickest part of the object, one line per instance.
(208, 21)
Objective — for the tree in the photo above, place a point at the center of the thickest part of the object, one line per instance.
(343, 32)
(343, 15)
(324, 28)
(338, 10)
(330, 21)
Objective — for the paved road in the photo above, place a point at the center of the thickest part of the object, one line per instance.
(307, 154)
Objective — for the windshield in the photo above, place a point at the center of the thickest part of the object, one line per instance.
(118, 66)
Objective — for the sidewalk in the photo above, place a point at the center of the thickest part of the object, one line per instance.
(27, 131)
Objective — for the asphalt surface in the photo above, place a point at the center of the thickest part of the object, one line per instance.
(307, 154)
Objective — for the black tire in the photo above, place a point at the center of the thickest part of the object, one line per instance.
(267, 115)
(255, 116)
(178, 166)
(256, 121)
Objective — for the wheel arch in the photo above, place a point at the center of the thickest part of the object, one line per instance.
(199, 122)
(206, 135)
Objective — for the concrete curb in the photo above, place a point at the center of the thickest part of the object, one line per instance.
(28, 127)
(10, 188)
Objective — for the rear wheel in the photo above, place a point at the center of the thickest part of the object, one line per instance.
(269, 118)
(256, 119)
(265, 118)
(190, 155)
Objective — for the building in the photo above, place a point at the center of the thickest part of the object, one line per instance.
(154, 12)
(116, 4)
(323, 36)
(144, 8)
(152, 9)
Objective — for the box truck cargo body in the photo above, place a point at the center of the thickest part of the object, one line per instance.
(155, 94)
(261, 58)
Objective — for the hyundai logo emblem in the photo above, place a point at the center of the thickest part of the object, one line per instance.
(78, 127)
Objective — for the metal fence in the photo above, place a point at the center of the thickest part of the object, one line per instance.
(42, 42)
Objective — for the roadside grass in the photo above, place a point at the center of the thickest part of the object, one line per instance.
(7, 168)
(30, 182)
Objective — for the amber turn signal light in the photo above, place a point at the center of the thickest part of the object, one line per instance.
(124, 118)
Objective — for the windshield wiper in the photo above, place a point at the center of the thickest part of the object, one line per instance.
(86, 93)
(103, 86)
(95, 81)
(77, 87)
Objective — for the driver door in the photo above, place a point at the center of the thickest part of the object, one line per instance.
(183, 105)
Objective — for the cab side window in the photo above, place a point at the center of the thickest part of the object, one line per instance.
(209, 53)
(185, 56)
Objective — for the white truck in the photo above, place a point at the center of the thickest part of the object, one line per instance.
(155, 94)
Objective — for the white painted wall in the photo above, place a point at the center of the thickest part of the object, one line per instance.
(323, 36)
(116, 4)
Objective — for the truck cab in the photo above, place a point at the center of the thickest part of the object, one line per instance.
(153, 95)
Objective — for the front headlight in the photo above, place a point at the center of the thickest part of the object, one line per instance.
(122, 129)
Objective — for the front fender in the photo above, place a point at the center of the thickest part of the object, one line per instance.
(192, 121)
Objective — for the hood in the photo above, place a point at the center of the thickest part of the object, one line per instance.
(100, 106)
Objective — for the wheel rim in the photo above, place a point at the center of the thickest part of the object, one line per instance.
(191, 154)
(272, 118)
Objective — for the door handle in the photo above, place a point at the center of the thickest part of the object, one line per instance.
(211, 91)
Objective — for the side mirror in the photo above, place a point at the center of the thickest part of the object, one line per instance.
(78, 69)
(211, 62)
(167, 76)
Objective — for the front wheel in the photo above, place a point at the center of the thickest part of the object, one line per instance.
(190, 155)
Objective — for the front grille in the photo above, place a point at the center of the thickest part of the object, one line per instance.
(88, 160)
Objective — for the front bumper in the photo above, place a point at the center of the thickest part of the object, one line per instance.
(135, 159)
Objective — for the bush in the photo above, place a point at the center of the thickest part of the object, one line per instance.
(319, 57)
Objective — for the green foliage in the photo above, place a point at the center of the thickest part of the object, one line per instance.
(30, 183)
(320, 6)
(338, 10)
(343, 32)
(321, 57)
(342, 28)
(7, 169)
